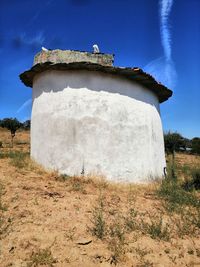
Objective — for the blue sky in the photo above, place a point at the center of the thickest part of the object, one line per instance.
(159, 36)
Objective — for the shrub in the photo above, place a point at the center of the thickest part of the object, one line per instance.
(2, 155)
(63, 177)
(196, 145)
(41, 257)
(194, 182)
(130, 222)
(2, 191)
(18, 159)
(77, 184)
(175, 196)
(156, 228)
(116, 242)
(117, 249)
(4, 224)
(187, 222)
(98, 221)
(117, 230)
(196, 178)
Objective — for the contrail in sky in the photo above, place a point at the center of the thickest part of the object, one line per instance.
(165, 8)
(26, 104)
(163, 68)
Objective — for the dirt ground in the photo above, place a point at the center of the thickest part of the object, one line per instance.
(52, 220)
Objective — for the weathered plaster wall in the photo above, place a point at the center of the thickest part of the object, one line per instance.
(97, 122)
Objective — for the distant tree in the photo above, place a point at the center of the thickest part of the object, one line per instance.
(26, 125)
(188, 143)
(12, 125)
(173, 142)
(185, 145)
(196, 145)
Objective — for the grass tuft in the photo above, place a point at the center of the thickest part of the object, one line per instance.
(3, 223)
(19, 159)
(116, 242)
(194, 182)
(2, 191)
(98, 228)
(156, 228)
(131, 220)
(41, 257)
(175, 196)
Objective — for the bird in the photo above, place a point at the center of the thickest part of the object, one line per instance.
(96, 49)
(44, 49)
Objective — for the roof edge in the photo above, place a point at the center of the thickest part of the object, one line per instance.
(135, 74)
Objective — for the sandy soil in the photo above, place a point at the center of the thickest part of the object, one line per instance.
(41, 211)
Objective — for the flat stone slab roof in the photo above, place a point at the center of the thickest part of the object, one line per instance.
(71, 56)
(75, 60)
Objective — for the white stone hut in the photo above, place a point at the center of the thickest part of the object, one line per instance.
(90, 117)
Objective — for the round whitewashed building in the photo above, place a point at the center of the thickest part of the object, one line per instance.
(89, 117)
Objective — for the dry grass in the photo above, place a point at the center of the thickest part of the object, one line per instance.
(56, 220)
(41, 257)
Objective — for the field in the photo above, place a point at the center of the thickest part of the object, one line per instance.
(47, 219)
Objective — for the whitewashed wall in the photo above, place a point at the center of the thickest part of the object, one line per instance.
(104, 124)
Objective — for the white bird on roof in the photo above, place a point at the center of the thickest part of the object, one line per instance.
(96, 49)
(44, 49)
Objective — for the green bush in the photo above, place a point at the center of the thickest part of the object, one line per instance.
(175, 196)
(173, 142)
(194, 182)
(196, 145)
(18, 159)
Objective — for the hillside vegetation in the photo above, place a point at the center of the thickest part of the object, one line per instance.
(47, 219)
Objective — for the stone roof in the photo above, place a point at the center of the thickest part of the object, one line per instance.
(75, 60)
(71, 56)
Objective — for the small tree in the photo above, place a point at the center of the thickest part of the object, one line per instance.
(196, 145)
(173, 142)
(12, 125)
(187, 144)
(26, 125)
